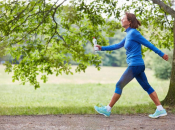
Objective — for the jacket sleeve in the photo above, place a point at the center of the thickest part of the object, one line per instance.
(113, 47)
(140, 39)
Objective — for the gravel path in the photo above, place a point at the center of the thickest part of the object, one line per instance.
(87, 122)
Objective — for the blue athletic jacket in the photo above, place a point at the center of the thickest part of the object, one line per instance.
(132, 43)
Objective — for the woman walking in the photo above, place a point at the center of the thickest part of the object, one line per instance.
(132, 43)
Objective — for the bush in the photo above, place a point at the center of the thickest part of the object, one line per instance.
(162, 68)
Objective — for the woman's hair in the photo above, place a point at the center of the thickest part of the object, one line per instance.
(132, 18)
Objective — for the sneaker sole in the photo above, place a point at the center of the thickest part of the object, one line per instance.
(101, 113)
(159, 116)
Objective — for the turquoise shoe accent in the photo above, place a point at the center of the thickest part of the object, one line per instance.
(158, 113)
(103, 110)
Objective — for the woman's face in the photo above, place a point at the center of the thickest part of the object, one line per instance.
(125, 22)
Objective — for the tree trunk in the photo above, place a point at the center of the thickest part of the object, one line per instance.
(170, 98)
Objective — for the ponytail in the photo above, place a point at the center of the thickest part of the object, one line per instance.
(139, 23)
(132, 18)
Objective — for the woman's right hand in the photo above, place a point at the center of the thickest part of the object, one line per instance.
(99, 47)
(165, 57)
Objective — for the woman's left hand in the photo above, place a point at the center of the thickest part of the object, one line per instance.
(165, 57)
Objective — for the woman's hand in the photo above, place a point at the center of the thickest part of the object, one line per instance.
(99, 47)
(165, 57)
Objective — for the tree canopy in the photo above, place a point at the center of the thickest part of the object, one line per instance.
(46, 36)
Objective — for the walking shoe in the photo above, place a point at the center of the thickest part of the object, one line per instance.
(158, 113)
(103, 110)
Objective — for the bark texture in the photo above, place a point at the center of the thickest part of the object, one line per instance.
(165, 7)
(170, 98)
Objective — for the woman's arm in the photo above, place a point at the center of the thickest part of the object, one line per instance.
(112, 47)
(139, 38)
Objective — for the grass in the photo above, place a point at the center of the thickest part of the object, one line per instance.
(77, 94)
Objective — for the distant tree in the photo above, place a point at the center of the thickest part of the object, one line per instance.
(161, 69)
(117, 57)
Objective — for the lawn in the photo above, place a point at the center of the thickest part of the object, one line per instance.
(77, 94)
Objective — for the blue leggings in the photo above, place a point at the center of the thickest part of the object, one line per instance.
(134, 72)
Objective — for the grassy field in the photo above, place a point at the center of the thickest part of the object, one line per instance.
(77, 94)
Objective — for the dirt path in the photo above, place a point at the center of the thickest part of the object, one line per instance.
(87, 122)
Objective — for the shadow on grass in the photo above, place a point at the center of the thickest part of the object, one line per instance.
(46, 110)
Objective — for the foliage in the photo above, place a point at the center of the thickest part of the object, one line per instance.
(161, 68)
(154, 22)
(50, 35)
(162, 71)
(115, 58)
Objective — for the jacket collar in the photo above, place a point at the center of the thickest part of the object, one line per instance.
(129, 28)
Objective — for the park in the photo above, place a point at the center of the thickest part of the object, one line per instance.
(51, 77)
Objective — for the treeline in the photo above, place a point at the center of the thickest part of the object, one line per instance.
(8, 58)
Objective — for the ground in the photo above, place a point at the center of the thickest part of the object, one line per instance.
(87, 122)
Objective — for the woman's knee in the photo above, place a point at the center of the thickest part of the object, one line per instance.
(149, 89)
(118, 89)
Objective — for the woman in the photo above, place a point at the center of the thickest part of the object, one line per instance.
(132, 43)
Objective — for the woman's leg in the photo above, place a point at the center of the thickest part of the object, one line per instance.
(146, 86)
(124, 80)
(114, 99)
(160, 111)
(155, 98)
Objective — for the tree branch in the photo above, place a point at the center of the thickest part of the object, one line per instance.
(165, 7)
(59, 5)
(15, 18)
(165, 16)
(26, 18)
(43, 18)
(37, 26)
(56, 24)
(167, 19)
(45, 15)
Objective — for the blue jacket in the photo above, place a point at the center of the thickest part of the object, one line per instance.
(132, 43)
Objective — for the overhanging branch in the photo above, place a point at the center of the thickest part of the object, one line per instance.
(56, 24)
(165, 7)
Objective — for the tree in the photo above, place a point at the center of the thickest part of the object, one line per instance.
(48, 36)
(170, 98)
